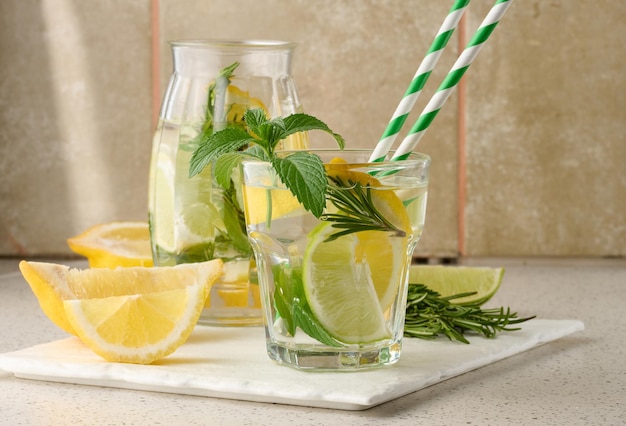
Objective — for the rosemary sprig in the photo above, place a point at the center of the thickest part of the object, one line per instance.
(429, 315)
(357, 211)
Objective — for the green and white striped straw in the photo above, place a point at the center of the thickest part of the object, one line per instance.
(452, 79)
(419, 80)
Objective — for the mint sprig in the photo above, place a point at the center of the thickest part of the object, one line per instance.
(292, 306)
(302, 172)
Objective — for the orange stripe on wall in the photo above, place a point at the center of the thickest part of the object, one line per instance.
(156, 60)
(461, 141)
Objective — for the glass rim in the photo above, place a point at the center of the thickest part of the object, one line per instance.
(256, 44)
(414, 157)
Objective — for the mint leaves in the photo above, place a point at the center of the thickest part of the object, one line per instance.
(304, 174)
(291, 304)
(301, 171)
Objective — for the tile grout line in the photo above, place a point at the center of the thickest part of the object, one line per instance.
(461, 146)
(155, 61)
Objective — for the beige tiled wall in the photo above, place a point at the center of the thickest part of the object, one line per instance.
(546, 143)
(545, 111)
(75, 119)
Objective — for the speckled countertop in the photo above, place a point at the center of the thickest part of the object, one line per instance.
(580, 379)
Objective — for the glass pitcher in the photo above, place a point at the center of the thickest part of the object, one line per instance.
(195, 219)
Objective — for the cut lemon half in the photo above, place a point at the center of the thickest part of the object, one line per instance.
(114, 244)
(451, 280)
(339, 291)
(135, 315)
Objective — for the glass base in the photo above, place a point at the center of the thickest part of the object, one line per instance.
(231, 317)
(304, 357)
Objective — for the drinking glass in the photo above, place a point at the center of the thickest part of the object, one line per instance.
(336, 301)
(194, 219)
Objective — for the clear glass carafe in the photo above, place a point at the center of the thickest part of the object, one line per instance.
(195, 219)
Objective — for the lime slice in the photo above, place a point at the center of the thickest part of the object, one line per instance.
(451, 280)
(342, 298)
(201, 219)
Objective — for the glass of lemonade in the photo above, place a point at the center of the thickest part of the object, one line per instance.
(193, 219)
(333, 289)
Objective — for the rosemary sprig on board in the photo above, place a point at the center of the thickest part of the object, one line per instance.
(429, 315)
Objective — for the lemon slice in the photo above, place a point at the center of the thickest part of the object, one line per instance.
(295, 141)
(114, 244)
(451, 280)
(279, 202)
(135, 315)
(238, 102)
(339, 291)
(235, 283)
(163, 227)
(386, 260)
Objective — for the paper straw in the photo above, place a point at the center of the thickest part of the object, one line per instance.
(419, 80)
(452, 79)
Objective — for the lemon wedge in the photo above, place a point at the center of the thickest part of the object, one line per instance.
(134, 315)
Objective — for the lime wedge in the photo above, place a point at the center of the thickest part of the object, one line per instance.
(342, 298)
(451, 280)
(386, 256)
